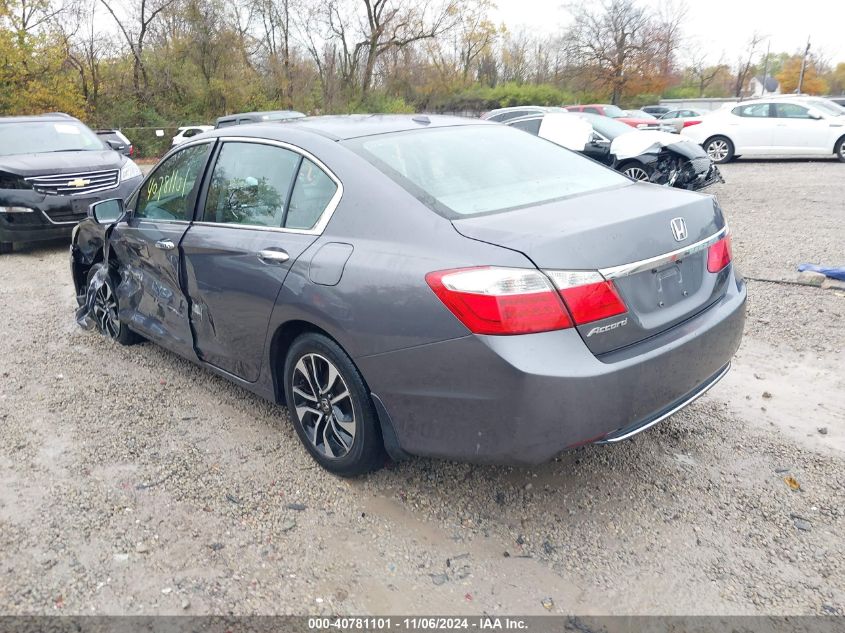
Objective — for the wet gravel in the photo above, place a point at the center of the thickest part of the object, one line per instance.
(136, 482)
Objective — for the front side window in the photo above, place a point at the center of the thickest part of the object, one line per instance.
(596, 111)
(792, 111)
(755, 110)
(476, 169)
(168, 194)
(250, 184)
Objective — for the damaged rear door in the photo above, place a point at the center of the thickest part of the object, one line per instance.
(258, 214)
(147, 247)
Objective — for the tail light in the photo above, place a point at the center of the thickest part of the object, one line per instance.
(719, 255)
(588, 295)
(491, 300)
(131, 151)
(688, 123)
(500, 300)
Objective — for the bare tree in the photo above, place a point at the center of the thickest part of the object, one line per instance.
(745, 63)
(702, 72)
(668, 32)
(608, 39)
(134, 29)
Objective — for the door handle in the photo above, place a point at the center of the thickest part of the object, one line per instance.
(273, 257)
(165, 245)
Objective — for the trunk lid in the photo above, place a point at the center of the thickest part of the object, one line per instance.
(609, 231)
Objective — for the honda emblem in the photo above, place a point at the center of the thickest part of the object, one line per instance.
(679, 229)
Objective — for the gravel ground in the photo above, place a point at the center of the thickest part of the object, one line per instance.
(136, 482)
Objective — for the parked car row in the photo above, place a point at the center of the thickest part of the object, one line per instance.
(647, 155)
(634, 118)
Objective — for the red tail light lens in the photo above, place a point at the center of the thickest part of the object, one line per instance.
(587, 295)
(500, 300)
(719, 255)
(688, 123)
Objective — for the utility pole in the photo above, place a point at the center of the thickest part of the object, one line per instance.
(803, 67)
(766, 67)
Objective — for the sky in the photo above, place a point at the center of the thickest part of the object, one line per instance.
(718, 27)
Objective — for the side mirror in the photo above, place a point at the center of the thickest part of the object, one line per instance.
(106, 211)
(115, 145)
(815, 114)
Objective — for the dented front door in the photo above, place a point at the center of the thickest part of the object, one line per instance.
(147, 246)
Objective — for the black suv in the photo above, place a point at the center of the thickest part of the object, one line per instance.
(51, 168)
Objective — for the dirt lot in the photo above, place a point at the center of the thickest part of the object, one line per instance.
(135, 482)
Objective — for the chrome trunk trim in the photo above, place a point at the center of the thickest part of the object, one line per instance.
(625, 270)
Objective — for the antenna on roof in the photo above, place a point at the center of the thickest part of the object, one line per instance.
(422, 119)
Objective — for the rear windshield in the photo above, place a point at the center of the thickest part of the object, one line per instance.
(477, 169)
(47, 136)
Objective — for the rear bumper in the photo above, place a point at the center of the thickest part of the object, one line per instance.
(524, 399)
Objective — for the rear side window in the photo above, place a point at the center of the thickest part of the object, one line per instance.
(758, 110)
(250, 184)
(168, 194)
(312, 193)
(476, 169)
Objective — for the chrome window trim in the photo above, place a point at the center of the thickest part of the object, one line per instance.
(615, 272)
(327, 213)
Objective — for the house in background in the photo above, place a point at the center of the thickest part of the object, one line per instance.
(759, 87)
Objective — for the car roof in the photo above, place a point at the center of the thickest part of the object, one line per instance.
(39, 118)
(348, 126)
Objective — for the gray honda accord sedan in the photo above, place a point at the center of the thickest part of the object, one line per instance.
(420, 285)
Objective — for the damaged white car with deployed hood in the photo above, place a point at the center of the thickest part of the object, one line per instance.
(647, 155)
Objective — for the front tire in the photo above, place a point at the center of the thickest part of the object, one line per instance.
(636, 171)
(330, 407)
(106, 308)
(720, 149)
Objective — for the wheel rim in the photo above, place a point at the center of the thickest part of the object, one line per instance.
(637, 173)
(105, 311)
(718, 150)
(323, 404)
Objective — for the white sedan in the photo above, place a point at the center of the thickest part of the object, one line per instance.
(779, 126)
(187, 131)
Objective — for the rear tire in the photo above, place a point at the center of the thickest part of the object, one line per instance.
(106, 307)
(6, 248)
(840, 149)
(720, 149)
(330, 407)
